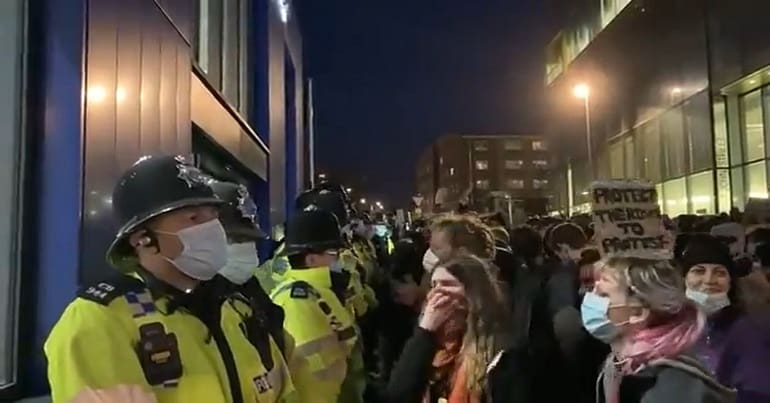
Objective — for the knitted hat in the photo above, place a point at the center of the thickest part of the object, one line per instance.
(705, 249)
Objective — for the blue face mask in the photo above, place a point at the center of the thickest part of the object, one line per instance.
(593, 311)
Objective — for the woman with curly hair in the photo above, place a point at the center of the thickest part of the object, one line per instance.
(462, 349)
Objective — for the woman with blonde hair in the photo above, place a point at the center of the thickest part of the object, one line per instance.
(640, 309)
(462, 350)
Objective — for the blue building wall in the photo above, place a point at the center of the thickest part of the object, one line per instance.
(117, 83)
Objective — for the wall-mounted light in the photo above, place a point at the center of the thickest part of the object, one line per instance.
(120, 94)
(283, 10)
(96, 94)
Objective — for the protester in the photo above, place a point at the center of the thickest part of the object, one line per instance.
(639, 308)
(462, 348)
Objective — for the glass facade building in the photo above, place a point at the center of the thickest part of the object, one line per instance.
(678, 97)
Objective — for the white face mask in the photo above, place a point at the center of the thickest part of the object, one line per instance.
(204, 250)
(242, 262)
(710, 303)
(429, 261)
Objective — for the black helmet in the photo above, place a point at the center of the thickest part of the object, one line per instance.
(334, 203)
(312, 230)
(334, 188)
(239, 214)
(305, 199)
(151, 187)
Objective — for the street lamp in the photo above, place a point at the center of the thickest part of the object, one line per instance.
(362, 201)
(349, 190)
(583, 92)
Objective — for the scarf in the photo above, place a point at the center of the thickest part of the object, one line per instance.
(448, 376)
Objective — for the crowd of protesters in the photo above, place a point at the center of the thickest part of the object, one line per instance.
(533, 313)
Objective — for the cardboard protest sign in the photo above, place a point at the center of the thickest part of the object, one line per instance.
(627, 220)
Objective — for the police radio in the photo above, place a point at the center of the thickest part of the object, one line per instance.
(159, 354)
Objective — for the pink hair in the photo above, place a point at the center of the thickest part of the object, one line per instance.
(666, 340)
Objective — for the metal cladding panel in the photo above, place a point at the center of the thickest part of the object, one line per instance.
(182, 15)
(211, 115)
(133, 108)
(58, 195)
(277, 116)
(280, 42)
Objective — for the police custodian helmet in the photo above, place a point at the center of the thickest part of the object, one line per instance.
(312, 230)
(239, 213)
(325, 200)
(151, 187)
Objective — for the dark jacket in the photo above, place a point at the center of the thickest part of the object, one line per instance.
(745, 360)
(506, 380)
(682, 380)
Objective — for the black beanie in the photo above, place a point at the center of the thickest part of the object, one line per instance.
(706, 249)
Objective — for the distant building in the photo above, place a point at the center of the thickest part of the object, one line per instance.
(487, 172)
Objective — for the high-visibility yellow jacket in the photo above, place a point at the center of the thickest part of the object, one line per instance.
(273, 271)
(355, 300)
(324, 332)
(96, 346)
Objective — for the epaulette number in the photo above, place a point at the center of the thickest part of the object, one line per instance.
(100, 291)
(299, 291)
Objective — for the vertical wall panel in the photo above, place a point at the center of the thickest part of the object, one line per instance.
(182, 14)
(277, 116)
(128, 104)
(150, 98)
(99, 161)
(183, 116)
(167, 106)
(136, 67)
(58, 191)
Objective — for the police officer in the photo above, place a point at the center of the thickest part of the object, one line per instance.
(323, 329)
(239, 219)
(157, 328)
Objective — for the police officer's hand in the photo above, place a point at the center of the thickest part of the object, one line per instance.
(440, 306)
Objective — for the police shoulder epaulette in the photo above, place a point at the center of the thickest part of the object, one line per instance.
(105, 291)
(302, 290)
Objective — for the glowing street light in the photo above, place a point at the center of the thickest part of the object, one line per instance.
(362, 201)
(349, 190)
(583, 92)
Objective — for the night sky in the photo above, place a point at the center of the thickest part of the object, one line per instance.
(392, 76)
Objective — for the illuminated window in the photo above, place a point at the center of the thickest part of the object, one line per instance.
(753, 126)
(513, 145)
(702, 192)
(515, 184)
(221, 48)
(756, 180)
(441, 161)
(482, 165)
(542, 164)
(540, 183)
(675, 193)
(480, 146)
(482, 184)
(451, 172)
(539, 146)
(514, 164)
